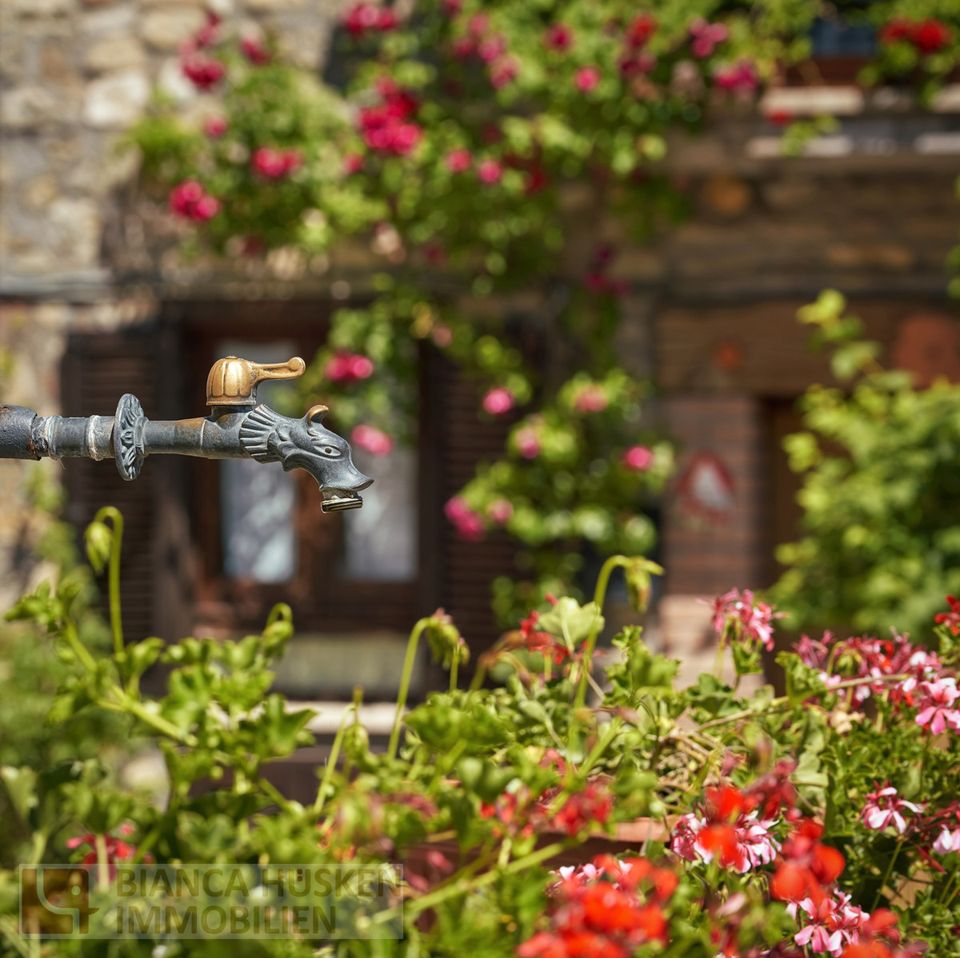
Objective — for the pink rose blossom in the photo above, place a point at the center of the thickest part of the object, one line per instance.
(492, 48)
(346, 367)
(705, 36)
(558, 37)
(458, 160)
(386, 127)
(489, 172)
(528, 443)
(883, 808)
(274, 164)
(586, 79)
(254, 50)
(935, 708)
(191, 201)
(591, 399)
(500, 511)
(738, 77)
(203, 71)
(469, 524)
(364, 18)
(215, 127)
(374, 440)
(503, 72)
(498, 401)
(638, 458)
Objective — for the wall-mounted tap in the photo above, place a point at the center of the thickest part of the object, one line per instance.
(238, 427)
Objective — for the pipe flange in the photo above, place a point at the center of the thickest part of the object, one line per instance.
(128, 427)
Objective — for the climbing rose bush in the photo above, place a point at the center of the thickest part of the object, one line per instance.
(543, 807)
(497, 161)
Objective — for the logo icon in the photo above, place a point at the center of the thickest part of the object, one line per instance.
(55, 900)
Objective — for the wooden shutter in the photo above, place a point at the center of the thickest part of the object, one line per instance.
(455, 441)
(97, 369)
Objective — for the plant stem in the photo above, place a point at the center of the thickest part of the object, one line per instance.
(82, 653)
(599, 597)
(887, 874)
(454, 666)
(332, 759)
(408, 662)
(113, 577)
(462, 887)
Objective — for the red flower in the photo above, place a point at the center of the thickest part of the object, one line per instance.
(641, 29)
(591, 806)
(374, 440)
(469, 524)
(503, 72)
(363, 18)
(458, 161)
(203, 71)
(352, 163)
(558, 37)
(191, 201)
(346, 367)
(215, 127)
(498, 401)
(950, 619)
(489, 171)
(927, 36)
(586, 79)
(385, 127)
(273, 164)
(638, 458)
(254, 50)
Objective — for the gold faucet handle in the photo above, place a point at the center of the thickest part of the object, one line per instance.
(233, 381)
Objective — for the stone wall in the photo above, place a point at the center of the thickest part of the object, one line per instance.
(75, 74)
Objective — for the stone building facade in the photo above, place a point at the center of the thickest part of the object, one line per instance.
(869, 209)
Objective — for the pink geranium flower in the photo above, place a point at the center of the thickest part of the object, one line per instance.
(374, 440)
(705, 36)
(754, 843)
(638, 458)
(947, 841)
(833, 923)
(215, 127)
(747, 618)
(528, 443)
(191, 201)
(558, 37)
(884, 808)
(586, 79)
(274, 164)
(592, 399)
(935, 708)
(500, 511)
(346, 367)
(498, 401)
(458, 160)
(469, 524)
(489, 172)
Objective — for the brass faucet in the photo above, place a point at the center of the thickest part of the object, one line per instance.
(238, 427)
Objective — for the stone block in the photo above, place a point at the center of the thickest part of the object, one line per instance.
(117, 99)
(27, 108)
(117, 51)
(268, 5)
(169, 26)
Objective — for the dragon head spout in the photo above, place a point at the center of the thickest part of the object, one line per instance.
(306, 444)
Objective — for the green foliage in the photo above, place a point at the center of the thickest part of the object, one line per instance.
(881, 492)
(490, 784)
